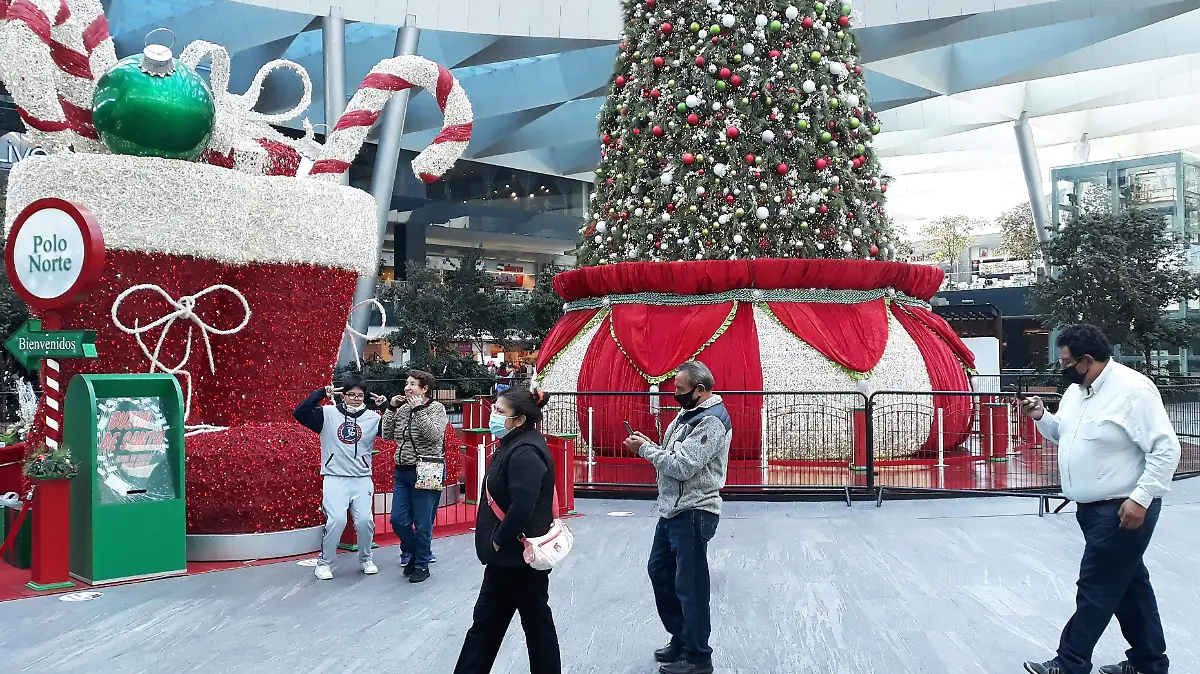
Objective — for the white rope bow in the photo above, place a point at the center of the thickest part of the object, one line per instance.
(185, 308)
(352, 333)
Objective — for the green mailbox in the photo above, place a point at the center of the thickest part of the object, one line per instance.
(128, 511)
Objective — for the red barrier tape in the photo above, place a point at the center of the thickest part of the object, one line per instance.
(12, 536)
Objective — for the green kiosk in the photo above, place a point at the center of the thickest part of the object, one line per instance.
(128, 512)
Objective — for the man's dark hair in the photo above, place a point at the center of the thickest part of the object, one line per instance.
(423, 378)
(1085, 340)
(352, 381)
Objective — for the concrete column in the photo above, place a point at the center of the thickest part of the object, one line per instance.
(1083, 150)
(1033, 177)
(383, 183)
(333, 48)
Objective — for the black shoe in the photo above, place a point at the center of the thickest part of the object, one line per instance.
(1050, 667)
(1120, 668)
(672, 652)
(685, 667)
(409, 568)
(419, 575)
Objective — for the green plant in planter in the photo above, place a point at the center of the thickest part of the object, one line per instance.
(43, 463)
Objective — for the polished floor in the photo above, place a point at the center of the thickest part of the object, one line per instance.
(955, 586)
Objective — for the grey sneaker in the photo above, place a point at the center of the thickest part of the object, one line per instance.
(1050, 667)
(1120, 668)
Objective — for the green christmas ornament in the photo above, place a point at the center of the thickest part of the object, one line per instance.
(794, 67)
(776, 26)
(875, 129)
(826, 137)
(845, 10)
(682, 107)
(815, 57)
(833, 103)
(152, 105)
(714, 29)
(721, 85)
(737, 58)
(802, 125)
(819, 7)
(695, 27)
(854, 123)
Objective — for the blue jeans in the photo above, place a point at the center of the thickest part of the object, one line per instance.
(678, 571)
(412, 515)
(1113, 581)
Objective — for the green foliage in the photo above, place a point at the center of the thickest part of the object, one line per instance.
(543, 308)
(673, 187)
(949, 236)
(1018, 233)
(1119, 272)
(13, 311)
(43, 463)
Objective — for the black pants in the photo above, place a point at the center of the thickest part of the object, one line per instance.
(506, 590)
(1113, 581)
(678, 571)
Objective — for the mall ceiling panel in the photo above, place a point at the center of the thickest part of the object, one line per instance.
(556, 126)
(887, 92)
(234, 25)
(501, 49)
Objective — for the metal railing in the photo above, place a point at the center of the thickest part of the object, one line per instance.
(799, 442)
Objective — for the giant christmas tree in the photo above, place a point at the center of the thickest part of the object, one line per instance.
(737, 129)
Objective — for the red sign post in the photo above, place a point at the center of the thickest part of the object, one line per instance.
(54, 257)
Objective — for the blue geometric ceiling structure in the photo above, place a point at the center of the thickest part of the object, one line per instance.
(948, 77)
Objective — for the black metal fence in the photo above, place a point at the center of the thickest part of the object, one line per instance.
(799, 442)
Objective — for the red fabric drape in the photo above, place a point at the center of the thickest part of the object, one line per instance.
(658, 339)
(942, 329)
(734, 359)
(945, 374)
(702, 277)
(852, 335)
(565, 330)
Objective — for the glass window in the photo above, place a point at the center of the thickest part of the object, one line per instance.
(1149, 188)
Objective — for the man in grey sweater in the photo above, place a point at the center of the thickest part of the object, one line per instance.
(691, 463)
(348, 431)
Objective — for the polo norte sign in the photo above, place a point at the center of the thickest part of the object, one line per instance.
(30, 344)
(55, 254)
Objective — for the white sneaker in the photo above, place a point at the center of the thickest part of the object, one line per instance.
(369, 568)
(323, 572)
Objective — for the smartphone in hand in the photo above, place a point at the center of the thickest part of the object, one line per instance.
(628, 428)
(1016, 393)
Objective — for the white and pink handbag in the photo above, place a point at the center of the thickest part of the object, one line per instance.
(542, 553)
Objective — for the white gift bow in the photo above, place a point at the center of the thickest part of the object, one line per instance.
(184, 309)
(237, 120)
(352, 333)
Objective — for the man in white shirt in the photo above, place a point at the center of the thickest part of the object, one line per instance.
(1117, 454)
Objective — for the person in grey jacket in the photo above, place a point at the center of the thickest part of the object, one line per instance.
(691, 463)
(418, 425)
(348, 431)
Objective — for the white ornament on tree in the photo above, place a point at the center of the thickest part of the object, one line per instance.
(728, 20)
(791, 13)
(763, 213)
(768, 136)
(809, 86)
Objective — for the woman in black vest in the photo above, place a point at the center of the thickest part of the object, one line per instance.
(520, 479)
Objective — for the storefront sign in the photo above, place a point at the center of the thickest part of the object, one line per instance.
(15, 147)
(1004, 267)
(55, 253)
(30, 345)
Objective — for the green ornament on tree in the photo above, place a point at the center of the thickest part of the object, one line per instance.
(152, 105)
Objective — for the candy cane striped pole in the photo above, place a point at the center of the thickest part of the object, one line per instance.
(52, 387)
(392, 75)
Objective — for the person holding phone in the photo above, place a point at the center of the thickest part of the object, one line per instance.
(1117, 454)
(348, 431)
(691, 463)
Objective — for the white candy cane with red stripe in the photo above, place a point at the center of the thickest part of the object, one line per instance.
(392, 75)
(54, 403)
(52, 52)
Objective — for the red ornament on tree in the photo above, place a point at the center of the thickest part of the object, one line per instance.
(725, 73)
(689, 158)
(749, 159)
(637, 131)
(736, 80)
(732, 132)
(667, 28)
(650, 4)
(763, 244)
(606, 139)
(807, 23)
(874, 250)
(729, 199)
(774, 53)
(620, 80)
(659, 62)
(655, 93)
(821, 164)
(782, 169)
(883, 188)
(699, 61)
(823, 209)
(657, 131)
(693, 119)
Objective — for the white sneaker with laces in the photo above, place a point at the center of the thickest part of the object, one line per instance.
(323, 572)
(369, 568)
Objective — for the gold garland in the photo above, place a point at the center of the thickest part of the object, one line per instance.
(854, 374)
(658, 380)
(600, 315)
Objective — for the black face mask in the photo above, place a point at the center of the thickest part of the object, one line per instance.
(1072, 376)
(687, 400)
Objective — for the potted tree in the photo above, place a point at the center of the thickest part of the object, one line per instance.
(51, 469)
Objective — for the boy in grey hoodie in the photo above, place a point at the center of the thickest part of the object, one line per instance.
(348, 431)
